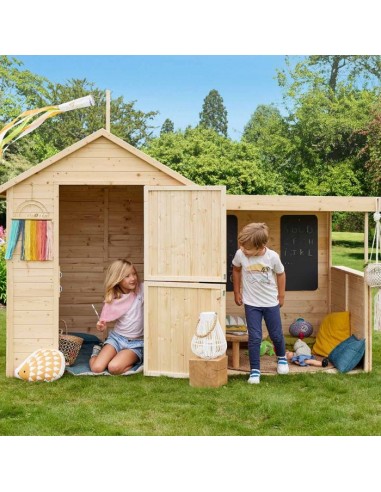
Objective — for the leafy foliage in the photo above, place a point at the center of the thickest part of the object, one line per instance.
(207, 158)
(371, 151)
(128, 123)
(214, 114)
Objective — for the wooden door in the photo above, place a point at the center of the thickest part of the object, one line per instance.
(185, 271)
(185, 233)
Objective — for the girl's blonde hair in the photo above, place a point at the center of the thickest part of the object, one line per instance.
(116, 272)
(254, 235)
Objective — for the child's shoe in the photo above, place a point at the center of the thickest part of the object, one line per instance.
(96, 350)
(255, 377)
(282, 367)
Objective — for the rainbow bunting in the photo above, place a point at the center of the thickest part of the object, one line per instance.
(36, 239)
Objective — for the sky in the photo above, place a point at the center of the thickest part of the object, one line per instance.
(173, 85)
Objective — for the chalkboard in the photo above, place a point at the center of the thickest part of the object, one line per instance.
(231, 248)
(299, 251)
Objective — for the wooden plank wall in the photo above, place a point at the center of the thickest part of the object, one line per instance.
(310, 305)
(97, 225)
(171, 316)
(31, 286)
(350, 293)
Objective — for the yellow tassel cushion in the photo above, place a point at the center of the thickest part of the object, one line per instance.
(334, 328)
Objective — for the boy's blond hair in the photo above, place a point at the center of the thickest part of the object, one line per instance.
(116, 272)
(254, 235)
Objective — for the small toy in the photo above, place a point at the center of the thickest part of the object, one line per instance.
(267, 348)
(301, 328)
(302, 356)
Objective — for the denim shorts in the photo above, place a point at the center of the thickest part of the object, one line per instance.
(119, 342)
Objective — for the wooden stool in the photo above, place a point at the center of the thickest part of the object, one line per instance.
(236, 340)
(204, 373)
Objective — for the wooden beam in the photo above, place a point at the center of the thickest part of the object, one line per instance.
(300, 203)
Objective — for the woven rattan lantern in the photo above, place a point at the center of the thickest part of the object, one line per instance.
(209, 342)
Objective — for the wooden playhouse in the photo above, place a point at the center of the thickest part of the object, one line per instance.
(107, 200)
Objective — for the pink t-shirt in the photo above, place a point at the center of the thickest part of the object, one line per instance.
(130, 324)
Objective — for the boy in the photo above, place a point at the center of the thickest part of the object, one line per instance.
(264, 284)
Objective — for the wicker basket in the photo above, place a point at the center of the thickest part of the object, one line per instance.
(69, 345)
(372, 274)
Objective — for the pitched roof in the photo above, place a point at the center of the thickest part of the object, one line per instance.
(82, 143)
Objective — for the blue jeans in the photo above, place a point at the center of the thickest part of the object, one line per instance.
(254, 316)
(119, 342)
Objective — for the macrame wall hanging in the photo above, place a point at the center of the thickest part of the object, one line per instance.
(209, 342)
(372, 273)
(36, 239)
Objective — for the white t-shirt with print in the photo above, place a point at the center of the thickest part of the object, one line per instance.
(259, 283)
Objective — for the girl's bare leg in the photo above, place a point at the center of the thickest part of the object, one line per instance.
(123, 361)
(99, 362)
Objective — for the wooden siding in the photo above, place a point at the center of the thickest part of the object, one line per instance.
(170, 318)
(350, 293)
(311, 305)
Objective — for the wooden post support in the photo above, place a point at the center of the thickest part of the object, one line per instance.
(204, 373)
(108, 110)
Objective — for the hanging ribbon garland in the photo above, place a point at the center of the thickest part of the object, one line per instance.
(36, 239)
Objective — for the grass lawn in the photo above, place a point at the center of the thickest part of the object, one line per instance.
(348, 249)
(297, 405)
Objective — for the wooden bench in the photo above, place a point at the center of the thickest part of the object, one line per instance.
(236, 340)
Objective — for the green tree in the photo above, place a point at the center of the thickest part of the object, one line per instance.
(167, 127)
(270, 133)
(214, 114)
(127, 122)
(21, 90)
(371, 151)
(206, 158)
(329, 71)
(327, 106)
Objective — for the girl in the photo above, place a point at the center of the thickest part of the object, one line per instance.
(123, 347)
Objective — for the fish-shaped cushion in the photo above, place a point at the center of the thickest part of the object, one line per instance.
(43, 365)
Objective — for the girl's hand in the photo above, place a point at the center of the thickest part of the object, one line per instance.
(101, 325)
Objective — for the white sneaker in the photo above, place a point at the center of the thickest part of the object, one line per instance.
(96, 350)
(282, 367)
(255, 377)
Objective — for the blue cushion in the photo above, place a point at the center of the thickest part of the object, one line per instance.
(347, 354)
